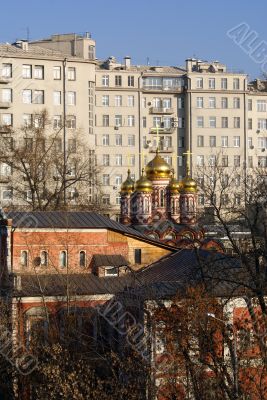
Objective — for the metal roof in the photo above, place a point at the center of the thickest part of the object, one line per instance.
(105, 260)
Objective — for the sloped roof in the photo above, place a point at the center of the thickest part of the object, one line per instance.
(74, 220)
(105, 260)
(6, 48)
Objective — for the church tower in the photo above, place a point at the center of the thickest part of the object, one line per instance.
(188, 198)
(141, 201)
(127, 189)
(174, 199)
(159, 173)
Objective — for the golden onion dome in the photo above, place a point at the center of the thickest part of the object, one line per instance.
(128, 185)
(158, 168)
(174, 185)
(143, 184)
(189, 185)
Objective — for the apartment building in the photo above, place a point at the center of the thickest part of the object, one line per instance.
(126, 111)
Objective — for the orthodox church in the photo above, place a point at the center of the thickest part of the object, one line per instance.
(161, 207)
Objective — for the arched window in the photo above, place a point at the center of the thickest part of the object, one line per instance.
(82, 258)
(63, 259)
(161, 198)
(44, 258)
(146, 206)
(24, 258)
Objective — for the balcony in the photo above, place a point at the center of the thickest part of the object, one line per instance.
(5, 104)
(161, 110)
(160, 88)
(4, 79)
(161, 149)
(168, 130)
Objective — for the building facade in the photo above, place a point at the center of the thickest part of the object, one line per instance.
(126, 111)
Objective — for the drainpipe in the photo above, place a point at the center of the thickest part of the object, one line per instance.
(64, 131)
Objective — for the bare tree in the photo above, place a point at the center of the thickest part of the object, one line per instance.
(44, 172)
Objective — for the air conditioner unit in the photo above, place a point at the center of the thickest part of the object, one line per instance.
(263, 149)
(251, 147)
(258, 131)
(116, 127)
(149, 103)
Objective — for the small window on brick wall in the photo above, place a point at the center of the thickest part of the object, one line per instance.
(137, 256)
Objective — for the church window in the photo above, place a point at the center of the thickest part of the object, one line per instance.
(161, 198)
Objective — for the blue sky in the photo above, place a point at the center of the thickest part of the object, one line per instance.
(165, 31)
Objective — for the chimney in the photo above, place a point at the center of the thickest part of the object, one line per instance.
(127, 62)
(23, 44)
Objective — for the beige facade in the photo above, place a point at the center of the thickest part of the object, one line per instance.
(125, 111)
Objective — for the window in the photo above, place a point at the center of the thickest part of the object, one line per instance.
(38, 72)
(137, 256)
(212, 141)
(106, 180)
(249, 104)
(250, 161)
(224, 122)
(26, 71)
(7, 119)
(44, 258)
(132, 160)
(180, 102)
(131, 140)
(7, 95)
(156, 122)
(57, 73)
(236, 83)
(105, 140)
(71, 98)
(111, 271)
(236, 161)
(262, 124)
(181, 122)
(211, 83)
(118, 80)
(106, 199)
(262, 143)
(72, 145)
(130, 101)
(236, 141)
(180, 141)
(200, 122)
(224, 102)
(118, 200)
(27, 119)
(118, 101)
(28, 144)
(249, 123)
(237, 180)
(71, 73)
(82, 259)
(201, 199)
(212, 102)
(130, 80)
(261, 105)
(130, 120)
(118, 180)
(105, 100)
(7, 194)
(144, 122)
(105, 80)
(236, 102)
(200, 141)
(224, 141)
(212, 160)
(58, 145)
(57, 122)
(236, 122)
(118, 159)
(57, 98)
(225, 161)
(63, 259)
(200, 102)
(200, 161)
(223, 83)
(262, 162)
(7, 70)
(200, 83)
(91, 52)
(118, 140)
(106, 160)
(118, 120)
(250, 142)
(105, 120)
(71, 122)
(38, 97)
(24, 258)
(6, 169)
(212, 121)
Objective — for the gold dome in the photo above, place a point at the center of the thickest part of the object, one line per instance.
(128, 185)
(143, 184)
(189, 185)
(158, 168)
(174, 185)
